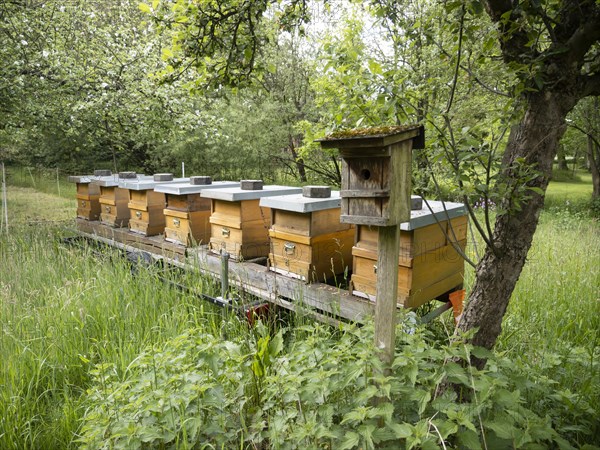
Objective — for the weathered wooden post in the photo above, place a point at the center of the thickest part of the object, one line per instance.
(376, 191)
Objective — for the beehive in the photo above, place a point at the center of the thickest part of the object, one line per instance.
(88, 194)
(307, 239)
(146, 206)
(239, 225)
(428, 266)
(187, 214)
(113, 199)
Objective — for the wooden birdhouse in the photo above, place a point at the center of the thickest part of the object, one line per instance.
(239, 225)
(307, 239)
(376, 168)
(146, 206)
(186, 213)
(428, 264)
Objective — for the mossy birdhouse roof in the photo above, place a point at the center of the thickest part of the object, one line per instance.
(374, 137)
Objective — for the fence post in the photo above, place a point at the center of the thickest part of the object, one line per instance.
(57, 181)
(4, 201)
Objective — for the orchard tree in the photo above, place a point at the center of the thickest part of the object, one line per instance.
(585, 120)
(76, 87)
(548, 50)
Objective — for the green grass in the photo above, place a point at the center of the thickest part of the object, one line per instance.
(65, 309)
(553, 318)
(572, 191)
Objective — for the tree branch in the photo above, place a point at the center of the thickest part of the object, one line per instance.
(590, 85)
(513, 38)
(584, 37)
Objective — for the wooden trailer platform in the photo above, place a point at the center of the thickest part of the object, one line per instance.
(255, 279)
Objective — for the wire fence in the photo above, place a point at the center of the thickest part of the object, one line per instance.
(48, 180)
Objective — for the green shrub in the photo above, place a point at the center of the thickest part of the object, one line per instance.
(326, 389)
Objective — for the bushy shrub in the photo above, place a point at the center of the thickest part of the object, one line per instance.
(325, 388)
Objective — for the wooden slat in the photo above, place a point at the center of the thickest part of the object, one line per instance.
(363, 193)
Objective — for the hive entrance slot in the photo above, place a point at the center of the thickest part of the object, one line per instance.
(365, 174)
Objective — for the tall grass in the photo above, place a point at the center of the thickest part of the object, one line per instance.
(552, 323)
(64, 310)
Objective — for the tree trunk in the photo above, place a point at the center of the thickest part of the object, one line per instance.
(562, 158)
(294, 143)
(593, 158)
(536, 140)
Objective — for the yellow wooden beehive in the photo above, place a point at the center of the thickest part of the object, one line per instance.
(428, 266)
(307, 239)
(146, 206)
(88, 194)
(187, 214)
(114, 211)
(239, 225)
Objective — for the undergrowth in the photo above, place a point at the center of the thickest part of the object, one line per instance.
(326, 389)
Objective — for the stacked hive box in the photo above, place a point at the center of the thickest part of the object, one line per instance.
(429, 265)
(113, 199)
(88, 193)
(238, 224)
(187, 214)
(307, 239)
(146, 206)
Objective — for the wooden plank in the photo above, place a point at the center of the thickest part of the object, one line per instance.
(291, 222)
(387, 292)
(327, 221)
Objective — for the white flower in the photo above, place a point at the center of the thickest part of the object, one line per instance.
(23, 42)
(45, 53)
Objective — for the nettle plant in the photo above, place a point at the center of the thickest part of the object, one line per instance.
(318, 387)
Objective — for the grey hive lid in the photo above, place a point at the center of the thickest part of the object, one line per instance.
(86, 179)
(441, 210)
(234, 194)
(148, 183)
(188, 188)
(300, 203)
(80, 179)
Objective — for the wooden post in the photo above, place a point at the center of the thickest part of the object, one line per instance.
(387, 292)
(376, 186)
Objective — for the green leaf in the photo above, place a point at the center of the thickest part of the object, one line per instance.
(469, 439)
(276, 345)
(481, 353)
(503, 428)
(401, 430)
(144, 8)
(536, 189)
(351, 440)
(422, 397)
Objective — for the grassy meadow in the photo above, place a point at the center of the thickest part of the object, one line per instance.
(97, 354)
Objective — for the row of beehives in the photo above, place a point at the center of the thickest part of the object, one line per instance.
(298, 229)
